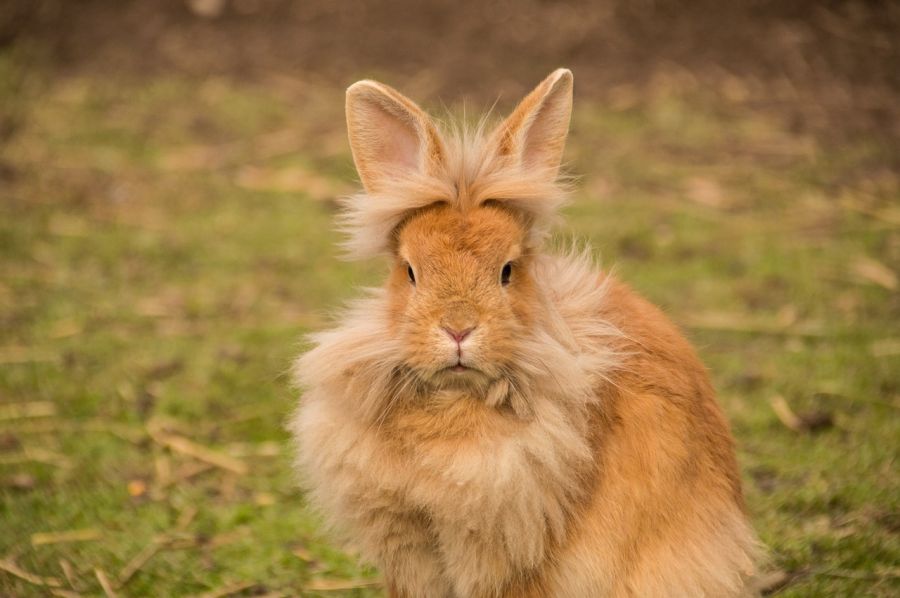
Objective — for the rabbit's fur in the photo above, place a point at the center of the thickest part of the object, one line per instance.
(569, 446)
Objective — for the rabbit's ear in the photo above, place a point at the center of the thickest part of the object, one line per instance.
(390, 136)
(535, 132)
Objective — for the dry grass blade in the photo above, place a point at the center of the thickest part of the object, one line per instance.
(68, 572)
(885, 348)
(785, 414)
(162, 467)
(873, 271)
(104, 583)
(329, 585)
(809, 422)
(185, 518)
(198, 451)
(64, 593)
(262, 449)
(139, 560)
(74, 535)
(16, 571)
(158, 543)
(18, 355)
(28, 409)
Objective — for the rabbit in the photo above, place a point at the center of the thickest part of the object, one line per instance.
(498, 421)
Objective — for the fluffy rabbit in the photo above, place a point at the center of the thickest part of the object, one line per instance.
(496, 421)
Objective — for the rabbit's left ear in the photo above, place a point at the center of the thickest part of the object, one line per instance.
(390, 136)
(535, 133)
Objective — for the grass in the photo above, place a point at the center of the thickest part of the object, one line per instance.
(166, 243)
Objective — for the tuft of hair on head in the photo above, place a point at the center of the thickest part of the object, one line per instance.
(407, 162)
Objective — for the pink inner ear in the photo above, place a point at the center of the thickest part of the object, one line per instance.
(545, 138)
(399, 144)
(387, 134)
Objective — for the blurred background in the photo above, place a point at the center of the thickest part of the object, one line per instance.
(168, 172)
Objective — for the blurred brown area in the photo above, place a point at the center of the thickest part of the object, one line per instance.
(830, 68)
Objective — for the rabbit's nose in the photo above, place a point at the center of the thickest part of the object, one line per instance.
(459, 320)
(458, 335)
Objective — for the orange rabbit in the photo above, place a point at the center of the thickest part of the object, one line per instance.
(496, 421)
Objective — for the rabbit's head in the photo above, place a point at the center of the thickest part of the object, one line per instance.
(461, 215)
(461, 292)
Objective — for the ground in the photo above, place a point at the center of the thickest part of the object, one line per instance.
(167, 241)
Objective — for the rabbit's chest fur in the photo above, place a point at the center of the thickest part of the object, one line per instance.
(464, 491)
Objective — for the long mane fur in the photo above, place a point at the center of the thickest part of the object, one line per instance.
(361, 359)
(470, 174)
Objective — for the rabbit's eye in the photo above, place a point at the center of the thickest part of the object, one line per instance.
(411, 274)
(506, 273)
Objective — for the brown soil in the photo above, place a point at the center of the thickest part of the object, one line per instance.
(832, 68)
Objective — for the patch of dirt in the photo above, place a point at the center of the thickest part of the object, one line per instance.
(830, 67)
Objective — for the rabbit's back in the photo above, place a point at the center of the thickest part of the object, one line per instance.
(666, 514)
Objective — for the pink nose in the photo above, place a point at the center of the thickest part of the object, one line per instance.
(458, 335)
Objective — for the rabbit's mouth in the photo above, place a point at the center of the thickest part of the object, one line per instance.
(459, 367)
(460, 371)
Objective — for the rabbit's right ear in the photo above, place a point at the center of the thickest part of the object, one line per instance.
(535, 133)
(390, 136)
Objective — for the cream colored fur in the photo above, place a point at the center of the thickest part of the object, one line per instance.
(573, 461)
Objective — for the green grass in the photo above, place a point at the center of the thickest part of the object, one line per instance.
(166, 243)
